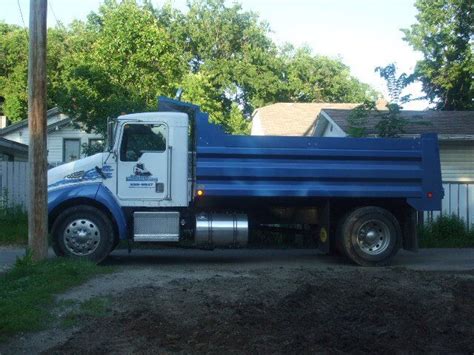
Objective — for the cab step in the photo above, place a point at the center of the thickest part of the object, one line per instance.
(156, 226)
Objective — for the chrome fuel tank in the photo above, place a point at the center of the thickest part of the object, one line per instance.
(221, 230)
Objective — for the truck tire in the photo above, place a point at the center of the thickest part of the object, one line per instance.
(369, 236)
(83, 232)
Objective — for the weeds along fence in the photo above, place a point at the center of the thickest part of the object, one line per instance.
(458, 200)
(14, 184)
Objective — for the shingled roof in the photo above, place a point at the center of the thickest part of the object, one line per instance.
(444, 123)
(294, 119)
(24, 123)
(289, 119)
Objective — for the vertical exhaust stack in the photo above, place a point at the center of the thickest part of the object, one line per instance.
(221, 230)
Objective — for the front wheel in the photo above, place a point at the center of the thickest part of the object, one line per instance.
(369, 236)
(83, 232)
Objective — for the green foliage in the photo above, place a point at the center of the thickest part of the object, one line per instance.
(358, 119)
(131, 60)
(95, 307)
(443, 34)
(229, 53)
(13, 223)
(315, 78)
(236, 123)
(234, 65)
(446, 232)
(14, 67)
(389, 123)
(91, 149)
(395, 84)
(27, 291)
(129, 52)
(14, 71)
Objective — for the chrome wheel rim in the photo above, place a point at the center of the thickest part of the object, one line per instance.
(373, 237)
(81, 237)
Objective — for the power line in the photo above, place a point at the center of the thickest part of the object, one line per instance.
(54, 14)
(21, 12)
(22, 19)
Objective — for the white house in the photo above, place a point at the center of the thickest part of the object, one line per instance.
(65, 137)
(12, 151)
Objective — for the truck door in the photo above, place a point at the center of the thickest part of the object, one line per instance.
(143, 163)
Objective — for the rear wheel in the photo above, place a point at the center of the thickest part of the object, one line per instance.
(83, 232)
(369, 236)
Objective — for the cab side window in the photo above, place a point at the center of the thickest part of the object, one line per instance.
(141, 138)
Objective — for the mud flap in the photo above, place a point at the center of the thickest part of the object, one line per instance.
(410, 237)
(325, 227)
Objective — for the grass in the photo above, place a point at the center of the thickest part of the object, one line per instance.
(95, 307)
(13, 226)
(27, 291)
(446, 232)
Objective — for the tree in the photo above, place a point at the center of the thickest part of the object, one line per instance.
(358, 119)
(14, 67)
(131, 60)
(89, 149)
(244, 69)
(14, 71)
(443, 34)
(227, 49)
(315, 78)
(129, 52)
(390, 123)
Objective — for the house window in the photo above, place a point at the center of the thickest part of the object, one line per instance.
(71, 149)
(6, 157)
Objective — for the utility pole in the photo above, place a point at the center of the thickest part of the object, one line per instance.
(37, 153)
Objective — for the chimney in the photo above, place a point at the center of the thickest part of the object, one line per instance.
(381, 103)
(3, 122)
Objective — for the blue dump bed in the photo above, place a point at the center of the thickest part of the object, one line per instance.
(266, 166)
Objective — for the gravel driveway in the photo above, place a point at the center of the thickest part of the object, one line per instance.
(269, 301)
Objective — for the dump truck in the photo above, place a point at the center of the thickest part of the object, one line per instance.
(174, 178)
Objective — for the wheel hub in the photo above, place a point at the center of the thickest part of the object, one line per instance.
(373, 237)
(81, 237)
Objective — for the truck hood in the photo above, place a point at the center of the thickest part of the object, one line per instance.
(79, 171)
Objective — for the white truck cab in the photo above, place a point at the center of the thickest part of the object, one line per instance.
(149, 159)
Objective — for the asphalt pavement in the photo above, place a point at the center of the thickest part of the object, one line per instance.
(425, 259)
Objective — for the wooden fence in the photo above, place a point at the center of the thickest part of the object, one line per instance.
(458, 200)
(14, 184)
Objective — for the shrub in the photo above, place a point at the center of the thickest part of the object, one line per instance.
(446, 231)
(13, 222)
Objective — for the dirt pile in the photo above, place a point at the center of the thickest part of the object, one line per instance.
(289, 311)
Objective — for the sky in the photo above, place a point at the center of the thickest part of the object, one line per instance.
(364, 34)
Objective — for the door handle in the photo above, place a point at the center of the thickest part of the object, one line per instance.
(169, 175)
(159, 187)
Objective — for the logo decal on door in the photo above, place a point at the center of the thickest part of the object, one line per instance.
(140, 170)
(141, 177)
